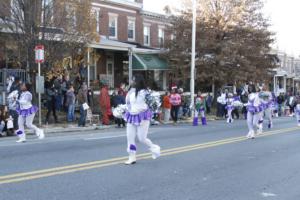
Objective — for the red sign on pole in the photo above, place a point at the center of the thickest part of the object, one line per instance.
(39, 54)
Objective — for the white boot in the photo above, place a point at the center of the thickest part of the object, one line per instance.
(131, 159)
(251, 135)
(155, 151)
(41, 134)
(21, 139)
(259, 128)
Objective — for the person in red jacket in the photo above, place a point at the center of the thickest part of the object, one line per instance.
(105, 106)
(167, 107)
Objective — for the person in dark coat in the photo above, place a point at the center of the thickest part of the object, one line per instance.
(119, 100)
(50, 94)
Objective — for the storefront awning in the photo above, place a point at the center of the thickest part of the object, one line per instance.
(148, 62)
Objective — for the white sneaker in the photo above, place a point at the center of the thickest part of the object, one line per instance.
(251, 135)
(21, 140)
(299, 124)
(131, 160)
(41, 134)
(260, 129)
(155, 151)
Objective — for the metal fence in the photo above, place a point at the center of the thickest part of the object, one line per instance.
(5, 73)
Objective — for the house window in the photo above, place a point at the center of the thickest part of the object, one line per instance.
(16, 10)
(161, 36)
(113, 26)
(131, 29)
(47, 12)
(71, 15)
(147, 35)
(96, 15)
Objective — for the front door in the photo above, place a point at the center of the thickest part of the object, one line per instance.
(110, 72)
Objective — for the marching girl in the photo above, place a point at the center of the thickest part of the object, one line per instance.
(26, 113)
(229, 107)
(138, 118)
(266, 102)
(254, 112)
(200, 106)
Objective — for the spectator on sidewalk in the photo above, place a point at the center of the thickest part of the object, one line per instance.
(105, 105)
(166, 107)
(16, 85)
(50, 94)
(70, 104)
(175, 100)
(280, 102)
(209, 100)
(119, 99)
(90, 97)
(59, 93)
(82, 101)
(122, 89)
(291, 103)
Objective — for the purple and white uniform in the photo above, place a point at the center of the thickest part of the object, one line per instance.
(138, 117)
(255, 109)
(26, 112)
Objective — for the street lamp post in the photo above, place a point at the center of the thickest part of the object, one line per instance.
(192, 84)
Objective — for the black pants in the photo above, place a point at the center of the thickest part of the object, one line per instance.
(244, 111)
(120, 122)
(292, 109)
(174, 113)
(51, 108)
(15, 117)
(235, 112)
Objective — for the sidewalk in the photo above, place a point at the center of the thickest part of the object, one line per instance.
(68, 128)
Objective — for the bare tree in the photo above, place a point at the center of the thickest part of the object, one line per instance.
(63, 26)
(232, 42)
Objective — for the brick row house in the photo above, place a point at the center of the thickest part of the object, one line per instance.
(122, 26)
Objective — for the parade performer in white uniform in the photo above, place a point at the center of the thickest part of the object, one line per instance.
(266, 102)
(229, 107)
(232, 103)
(254, 109)
(138, 116)
(26, 113)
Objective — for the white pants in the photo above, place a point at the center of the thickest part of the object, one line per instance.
(22, 121)
(252, 121)
(167, 113)
(297, 109)
(141, 132)
(268, 114)
(201, 112)
(229, 115)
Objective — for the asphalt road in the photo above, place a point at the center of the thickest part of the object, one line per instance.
(215, 162)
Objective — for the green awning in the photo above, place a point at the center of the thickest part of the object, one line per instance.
(148, 62)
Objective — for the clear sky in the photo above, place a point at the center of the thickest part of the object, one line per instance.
(284, 16)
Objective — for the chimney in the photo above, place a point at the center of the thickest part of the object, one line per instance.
(139, 1)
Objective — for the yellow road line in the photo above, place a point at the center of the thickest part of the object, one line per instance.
(19, 177)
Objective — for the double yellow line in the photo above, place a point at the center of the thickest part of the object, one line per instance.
(20, 177)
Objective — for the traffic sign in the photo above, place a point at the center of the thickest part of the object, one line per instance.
(39, 54)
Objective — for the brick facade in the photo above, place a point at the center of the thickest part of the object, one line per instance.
(123, 12)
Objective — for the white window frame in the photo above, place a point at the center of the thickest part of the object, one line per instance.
(113, 16)
(71, 13)
(49, 3)
(96, 13)
(132, 20)
(148, 26)
(15, 7)
(161, 30)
